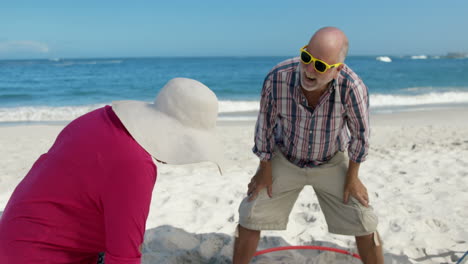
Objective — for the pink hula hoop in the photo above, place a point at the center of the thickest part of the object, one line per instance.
(265, 251)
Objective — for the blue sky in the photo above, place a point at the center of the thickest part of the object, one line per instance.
(75, 29)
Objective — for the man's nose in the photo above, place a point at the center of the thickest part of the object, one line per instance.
(310, 68)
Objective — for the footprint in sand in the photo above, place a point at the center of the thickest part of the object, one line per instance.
(197, 203)
(313, 206)
(394, 226)
(437, 225)
(307, 218)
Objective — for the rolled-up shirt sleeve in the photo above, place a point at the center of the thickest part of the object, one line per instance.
(126, 201)
(357, 103)
(264, 137)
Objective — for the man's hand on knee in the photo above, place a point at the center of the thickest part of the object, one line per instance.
(261, 179)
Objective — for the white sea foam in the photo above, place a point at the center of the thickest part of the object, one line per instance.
(44, 113)
(433, 98)
(231, 110)
(384, 59)
(238, 106)
(227, 110)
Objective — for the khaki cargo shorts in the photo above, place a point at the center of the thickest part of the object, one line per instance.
(328, 180)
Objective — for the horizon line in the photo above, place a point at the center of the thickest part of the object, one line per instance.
(447, 55)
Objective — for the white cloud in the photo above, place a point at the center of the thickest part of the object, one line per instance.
(23, 46)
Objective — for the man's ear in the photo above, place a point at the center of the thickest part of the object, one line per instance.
(338, 70)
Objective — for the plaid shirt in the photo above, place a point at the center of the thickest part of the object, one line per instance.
(309, 136)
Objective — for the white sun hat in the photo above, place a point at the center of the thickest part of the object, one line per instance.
(179, 127)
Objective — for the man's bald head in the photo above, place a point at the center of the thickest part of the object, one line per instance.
(330, 43)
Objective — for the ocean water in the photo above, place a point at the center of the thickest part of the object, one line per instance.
(62, 89)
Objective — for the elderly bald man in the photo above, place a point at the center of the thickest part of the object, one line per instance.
(312, 129)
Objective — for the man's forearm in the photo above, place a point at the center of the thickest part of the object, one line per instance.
(265, 163)
(353, 170)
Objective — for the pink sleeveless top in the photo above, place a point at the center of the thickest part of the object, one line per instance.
(89, 193)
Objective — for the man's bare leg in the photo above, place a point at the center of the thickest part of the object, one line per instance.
(245, 245)
(369, 250)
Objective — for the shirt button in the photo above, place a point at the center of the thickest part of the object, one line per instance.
(309, 146)
(310, 132)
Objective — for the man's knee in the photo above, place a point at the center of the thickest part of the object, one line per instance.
(245, 232)
(373, 238)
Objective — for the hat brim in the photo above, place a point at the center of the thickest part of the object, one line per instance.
(165, 138)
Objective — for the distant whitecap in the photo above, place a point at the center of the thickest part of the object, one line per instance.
(384, 59)
(419, 57)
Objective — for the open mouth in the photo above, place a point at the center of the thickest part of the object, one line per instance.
(309, 76)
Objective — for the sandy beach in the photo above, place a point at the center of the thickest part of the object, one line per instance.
(416, 175)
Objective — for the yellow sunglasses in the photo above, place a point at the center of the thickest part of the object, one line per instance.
(319, 65)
